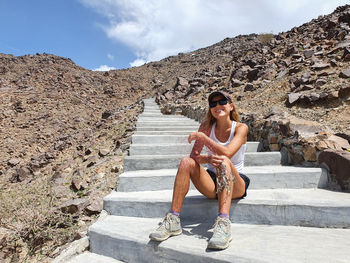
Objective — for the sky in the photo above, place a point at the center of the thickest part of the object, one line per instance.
(116, 34)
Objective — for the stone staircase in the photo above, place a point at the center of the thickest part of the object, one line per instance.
(286, 217)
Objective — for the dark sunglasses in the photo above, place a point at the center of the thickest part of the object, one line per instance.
(213, 104)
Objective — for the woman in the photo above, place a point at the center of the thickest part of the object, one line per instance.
(226, 138)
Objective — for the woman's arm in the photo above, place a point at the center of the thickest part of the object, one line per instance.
(240, 138)
(199, 144)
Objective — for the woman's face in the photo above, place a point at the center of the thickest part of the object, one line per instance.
(221, 111)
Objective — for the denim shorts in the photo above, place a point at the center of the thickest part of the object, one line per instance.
(243, 176)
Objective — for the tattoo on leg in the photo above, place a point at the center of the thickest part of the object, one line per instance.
(223, 178)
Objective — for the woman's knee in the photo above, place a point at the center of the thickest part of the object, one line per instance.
(187, 164)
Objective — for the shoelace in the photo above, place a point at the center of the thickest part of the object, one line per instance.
(165, 224)
(219, 225)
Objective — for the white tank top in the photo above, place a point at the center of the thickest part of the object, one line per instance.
(237, 159)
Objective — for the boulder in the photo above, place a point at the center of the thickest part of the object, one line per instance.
(320, 66)
(293, 98)
(74, 205)
(95, 207)
(249, 87)
(345, 73)
(338, 164)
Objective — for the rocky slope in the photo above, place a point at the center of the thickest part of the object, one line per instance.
(64, 130)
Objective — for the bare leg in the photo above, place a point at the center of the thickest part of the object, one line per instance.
(191, 170)
(237, 188)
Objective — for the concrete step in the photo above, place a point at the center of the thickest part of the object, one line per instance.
(126, 238)
(151, 107)
(261, 177)
(178, 132)
(159, 115)
(156, 139)
(298, 207)
(165, 118)
(149, 147)
(88, 257)
(167, 123)
(155, 162)
(188, 128)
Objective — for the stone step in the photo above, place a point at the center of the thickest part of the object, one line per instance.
(156, 139)
(148, 147)
(88, 257)
(159, 115)
(189, 128)
(261, 177)
(150, 107)
(178, 132)
(166, 123)
(155, 162)
(126, 238)
(298, 207)
(166, 118)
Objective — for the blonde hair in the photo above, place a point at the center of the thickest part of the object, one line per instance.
(209, 118)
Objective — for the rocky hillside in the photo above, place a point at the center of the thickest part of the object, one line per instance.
(64, 130)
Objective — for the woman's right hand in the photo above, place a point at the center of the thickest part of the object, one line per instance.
(215, 160)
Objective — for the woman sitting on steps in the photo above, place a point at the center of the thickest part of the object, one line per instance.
(226, 138)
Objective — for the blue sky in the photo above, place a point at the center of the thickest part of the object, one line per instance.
(124, 33)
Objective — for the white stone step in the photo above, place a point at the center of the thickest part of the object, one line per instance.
(156, 139)
(188, 128)
(261, 177)
(88, 257)
(155, 162)
(126, 238)
(167, 123)
(159, 115)
(298, 207)
(149, 147)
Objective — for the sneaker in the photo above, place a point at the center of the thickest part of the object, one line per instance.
(170, 226)
(222, 234)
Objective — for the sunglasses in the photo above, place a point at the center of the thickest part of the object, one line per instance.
(213, 104)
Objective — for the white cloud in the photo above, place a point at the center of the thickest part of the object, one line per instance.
(154, 29)
(137, 62)
(110, 57)
(104, 68)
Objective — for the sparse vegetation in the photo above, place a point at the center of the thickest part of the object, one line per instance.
(265, 38)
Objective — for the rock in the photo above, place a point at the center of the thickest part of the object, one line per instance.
(338, 164)
(344, 92)
(61, 191)
(308, 53)
(275, 110)
(103, 152)
(309, 153)
(344, 18)
(74, 205)
(91, 161)
(95, 207)
(236, 83)
(106, 114)
(182, 82)
(79, 184)
(21, 174)
(13, 161)
(293, 98)
(319, 66)
(320, 82)
(253, 74)
(345, 73)
(249, 87)
(75, 248)
(281, 74)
